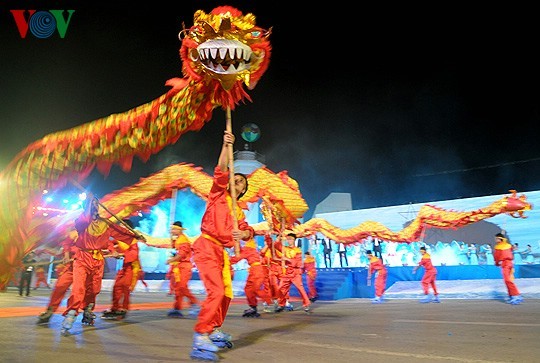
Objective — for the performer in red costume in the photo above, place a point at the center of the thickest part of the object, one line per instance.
(256, 278)
(181, 271)
(503, 255)
(211, 258)
(272, 261)
(64, 275)
(292, 274)
(41, 278)
(430, 275)
(139, 276)
(376, 266)
(124, 279)
(95, 234)
(311, 276)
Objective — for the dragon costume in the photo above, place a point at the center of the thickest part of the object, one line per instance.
(428, 216)
(278, 188)
(222, 54)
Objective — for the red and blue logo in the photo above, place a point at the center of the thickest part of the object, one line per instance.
(42, 24)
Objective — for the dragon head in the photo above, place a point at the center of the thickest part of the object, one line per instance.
(516, 206)
(225, 46)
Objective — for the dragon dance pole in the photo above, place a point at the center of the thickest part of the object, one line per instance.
(232, 189)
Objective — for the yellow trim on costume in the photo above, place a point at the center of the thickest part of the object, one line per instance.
(213, 239)
(135, 267)
(226, 273)
(96, 254)
(176, 274)
(503, 245)
(251, 243)
(227, 278)
(182, 239)
(97, 227)
(291, 252)
(239, 212)
(122, 246)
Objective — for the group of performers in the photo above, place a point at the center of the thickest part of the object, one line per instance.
(503, 256)
(223, 227)
(273, 270)
(85, 250)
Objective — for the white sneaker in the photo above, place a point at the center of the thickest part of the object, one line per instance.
(516, 300)
(266, 308)
(289, 306)
(194, 310)
(219, 335)
(203, 342)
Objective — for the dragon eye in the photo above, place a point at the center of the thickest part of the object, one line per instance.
(254, 33)
(195, 31)
(192, 32)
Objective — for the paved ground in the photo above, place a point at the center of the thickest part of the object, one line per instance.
(350, 330)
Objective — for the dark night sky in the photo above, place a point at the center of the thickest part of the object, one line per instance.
(393, 105)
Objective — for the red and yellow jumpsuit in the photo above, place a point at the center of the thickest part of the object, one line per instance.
(430, 274)
(138, 275)
(376, 265)
(124, 277)
(41, 277)
(181, 272)
(94, 235)
(504, 257)
(257, 275)
(292, 275)
(272, 259)
(210, 256)
(64, 273)
(311, 275)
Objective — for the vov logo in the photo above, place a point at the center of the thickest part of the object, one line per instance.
(43, 23)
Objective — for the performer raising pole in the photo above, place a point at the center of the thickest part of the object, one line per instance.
(222, 226)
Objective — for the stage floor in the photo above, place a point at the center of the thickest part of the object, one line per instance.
(466, 289)
(348, 330)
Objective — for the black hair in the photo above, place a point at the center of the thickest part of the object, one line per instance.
(128, 222)
(244, 192)
(368, 252)
(500, 235)
(292, 235)
(423, 248)
(178, 223)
